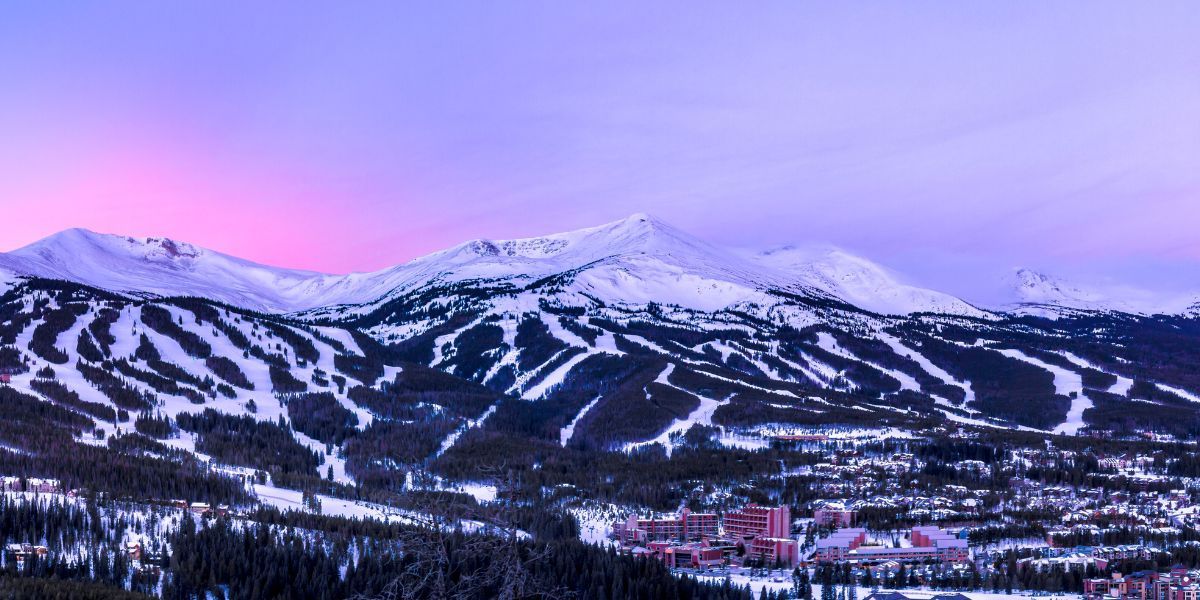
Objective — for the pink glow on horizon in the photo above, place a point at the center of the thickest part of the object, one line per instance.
(340, 139)
(150, 188)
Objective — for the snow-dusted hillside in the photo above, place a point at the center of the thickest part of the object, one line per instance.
(861, 282)
(636, 261)
(164, 267)
(631, 262)
(1044, 295)
(626, 335)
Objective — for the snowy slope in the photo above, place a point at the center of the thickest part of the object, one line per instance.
(1040, 294)
(637, 260)
(634, 261)
(164, 267)
(861, 282)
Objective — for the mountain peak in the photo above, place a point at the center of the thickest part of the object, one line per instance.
(636, 224)
(639, 217)
(859, 281)
(158, 266)
(636, 259)
(1038, 288)
(72, 243)
(634, 234)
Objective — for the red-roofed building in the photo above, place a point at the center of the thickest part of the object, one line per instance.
(759, 521)
(771, 551)
(686, 527)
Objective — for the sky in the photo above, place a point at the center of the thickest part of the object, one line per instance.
(951, 141)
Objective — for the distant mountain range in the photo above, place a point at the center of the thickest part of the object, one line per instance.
(635, 260)
(625, 336)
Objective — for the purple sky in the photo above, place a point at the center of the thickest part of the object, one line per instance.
(942, 139)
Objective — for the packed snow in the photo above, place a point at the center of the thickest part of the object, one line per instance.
(1066, 383)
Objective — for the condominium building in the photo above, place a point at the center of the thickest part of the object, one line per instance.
(929, 544)
(759, 521)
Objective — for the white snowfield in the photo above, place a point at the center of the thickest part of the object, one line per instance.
(830, 345)
(901, 350)
(1043, 295)
(1120, 388)
(861, 282)
(633, 261)
(1182, 393)
(285, 499)
(1066, 383)
(701, 415)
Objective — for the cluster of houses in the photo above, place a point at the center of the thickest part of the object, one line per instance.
(31, 484)
(848, 472)
(706, 540)
(6, 373)
(1176, 584)
(915, 595)
(929, 545)
(833, 514)
(143, 560)
(954, 503)
(203, 509)
(22, 551)
(1085, 557)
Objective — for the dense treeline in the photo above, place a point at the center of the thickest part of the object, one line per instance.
(1004, 387)
(367, 369)
(156, 426)
(378, 455)
(119, 391)
(243, 440)
(101, 328)
(302, 346)
(138, 443)
(260, 562)
(149, 354)
(418, 384)
(160, 383)
(87, 348)
(646, 477)
(474, 351)
(321, 417)
(12, 360)
(283, 382)
(229, 371)
(34, 587)
(54, 322)
(159, 319)
(389, 406)
(44, 432)
(63, 395)
(536, 344)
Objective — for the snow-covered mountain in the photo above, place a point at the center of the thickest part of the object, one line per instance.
(631, 262)
(637, 260)
(861, 282)
(629, 332)
(164, 267)
(1044, 295)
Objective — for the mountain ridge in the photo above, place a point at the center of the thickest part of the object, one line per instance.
(636, 260)
(1040, 294)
